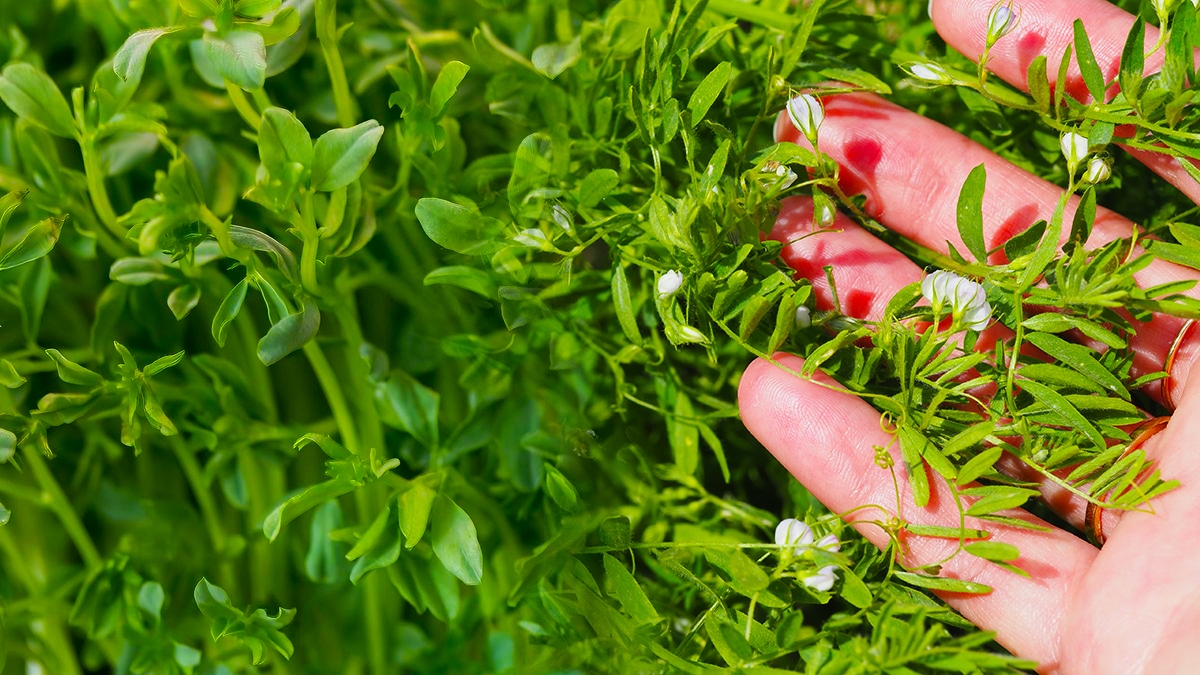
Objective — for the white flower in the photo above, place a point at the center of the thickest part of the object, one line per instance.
(1001, 21)
(792, 534)
(823, 580)
(967, 299)
(830, 543)
(782, 174)
(1074, 148)
(929, 72)
(807, 114)
(1098, 170)
(803, 317)
(669, 283)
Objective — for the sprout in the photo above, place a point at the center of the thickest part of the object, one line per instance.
(1001, 22)
(1098, 171)
(968, 302)
(807, 114)
(1074, 148)
(792, 534)
(669, 283)
(823, 580)
(824, 214)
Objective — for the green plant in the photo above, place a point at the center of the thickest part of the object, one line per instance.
(379, 337)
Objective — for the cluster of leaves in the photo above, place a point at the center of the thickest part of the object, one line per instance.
(455, 215)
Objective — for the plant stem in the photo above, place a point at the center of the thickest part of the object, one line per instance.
(94, 172)
(243, 106)
(336, 398)
(327, 35)
(57, 501)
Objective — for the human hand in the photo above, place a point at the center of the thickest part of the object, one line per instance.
(1132, 606)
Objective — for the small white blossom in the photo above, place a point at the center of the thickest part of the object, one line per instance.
(778, 174)
(823, 580)
(531, 237)
(967, 300)
(1098, 170)
(807, 114)
(1001, 22)
(669, 283)
(803, 317)
(693, 335)
(929, 72)
(830, 543)
(1074, 148)
(792, 534)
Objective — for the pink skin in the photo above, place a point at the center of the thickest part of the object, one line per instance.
(1132, 607)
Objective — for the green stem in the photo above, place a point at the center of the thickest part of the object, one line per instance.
(243, 106)
(94, 172)
(333, 393)
(57, 502)
(327, 35)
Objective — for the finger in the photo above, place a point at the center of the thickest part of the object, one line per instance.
(866, 271)
(1046, 28)
(909, 167)
(827, 440)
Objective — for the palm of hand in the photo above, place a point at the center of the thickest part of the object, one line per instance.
(1132, 606)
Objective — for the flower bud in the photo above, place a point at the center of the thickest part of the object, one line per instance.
(793, 533)
(968, 304)
(532, 237)
(803, 317)
(669, 283)
(823, 580)
(807, 114)
(1098, 171)
(1001, 22)
(929, 72)
(1074, 148)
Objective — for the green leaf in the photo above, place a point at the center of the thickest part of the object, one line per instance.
(552, 59)
(36, 241)
(623, 303)
(282, 142)
(561, 491)
(1133, 61)
(628, 592)
(708, 90)
(1085, 216)
(33, 96)
(444, 87)
(1176, 253)
(1039, 85)
(469, 278)
(943, 584)
(1080, 358)
(239, 57)
(994, 498)
(979, 465)
(342, 155)
(230, 307)
(683, 435)
(455, 542)
(993, 550)
(970, 213)
(73, 373)
(322, 563)
(301, 502)
(1092, 77)
(406, 404)
(459, 228)
(289, 334)
(854, 590)
(416, 503)
(183, 300)
(597, 185)
(129, 63)
(256, 631)
(379, 546)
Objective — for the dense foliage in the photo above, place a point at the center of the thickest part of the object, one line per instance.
(335, 337)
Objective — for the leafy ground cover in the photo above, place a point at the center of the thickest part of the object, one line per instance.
(375, 337)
